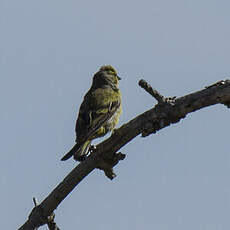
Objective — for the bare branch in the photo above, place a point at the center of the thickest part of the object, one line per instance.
(105, 157)
(148, 88)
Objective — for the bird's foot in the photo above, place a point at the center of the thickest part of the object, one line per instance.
(92, 148)
(114, 131)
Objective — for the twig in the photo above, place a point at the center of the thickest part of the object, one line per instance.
(108, 162)
(148, 88)
(51, 224)
(35, 202)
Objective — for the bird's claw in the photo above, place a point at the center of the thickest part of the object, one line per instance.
(92, 148)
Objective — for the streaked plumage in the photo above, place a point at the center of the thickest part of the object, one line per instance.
(99, 112)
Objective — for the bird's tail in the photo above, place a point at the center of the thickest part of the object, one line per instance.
(79, 151)
(82, 151)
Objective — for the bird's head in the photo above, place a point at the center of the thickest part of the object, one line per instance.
(106, 75)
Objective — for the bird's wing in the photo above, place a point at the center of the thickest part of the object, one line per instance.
(95, 112)
(99, 121)
(103, 117)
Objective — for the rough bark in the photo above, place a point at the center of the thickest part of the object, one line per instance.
(105, 156)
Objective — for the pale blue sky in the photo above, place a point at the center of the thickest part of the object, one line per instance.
(176, 179)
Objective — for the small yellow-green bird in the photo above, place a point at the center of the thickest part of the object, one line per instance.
(99, 112)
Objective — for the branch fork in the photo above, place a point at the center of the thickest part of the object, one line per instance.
(164, 108)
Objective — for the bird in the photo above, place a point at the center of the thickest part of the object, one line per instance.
(99, 112)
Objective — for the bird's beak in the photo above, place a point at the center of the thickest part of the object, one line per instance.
(118, 78)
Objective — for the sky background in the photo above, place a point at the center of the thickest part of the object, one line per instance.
(176, 179)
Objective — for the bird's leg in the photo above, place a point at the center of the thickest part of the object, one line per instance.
(114, 131)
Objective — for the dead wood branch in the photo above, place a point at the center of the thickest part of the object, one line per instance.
(105, 156)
